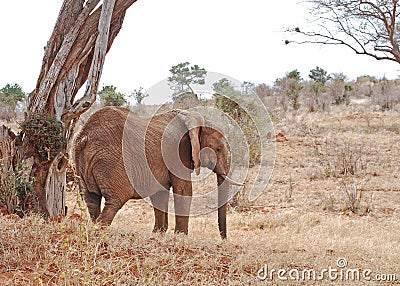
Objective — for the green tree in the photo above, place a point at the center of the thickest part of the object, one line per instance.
(109, 96)
(183, 76)
(226, 97)
(11, 94)
(291, 86)
(139, 95)
(319, 75)
(224, 87)
(319, 78)
(294, 74)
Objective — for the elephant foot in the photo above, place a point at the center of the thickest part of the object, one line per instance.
(180, 231)
(102, 224)
(160, 229)
(181, 224)
(107, 215)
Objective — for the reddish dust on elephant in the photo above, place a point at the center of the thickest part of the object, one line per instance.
(119, 157)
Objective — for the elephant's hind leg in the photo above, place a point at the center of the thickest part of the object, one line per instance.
(93, 202)
(160, 205)
(111, 207)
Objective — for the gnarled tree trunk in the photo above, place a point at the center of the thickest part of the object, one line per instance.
(75, 53)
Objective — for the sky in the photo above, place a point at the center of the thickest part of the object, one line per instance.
(241, 39)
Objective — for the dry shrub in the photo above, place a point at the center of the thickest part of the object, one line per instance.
(353, 197)
(6, 112)
(364, 86)
(289, 90)
(386, 94)
(186, 100)
(320, 102)
(344, 161)
(263, 91)
(340, 158)
(16, 189)
(339, 90)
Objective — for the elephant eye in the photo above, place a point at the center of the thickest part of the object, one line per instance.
(218, 149)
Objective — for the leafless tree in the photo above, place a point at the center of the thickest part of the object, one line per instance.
(367, 27)
(73, 56)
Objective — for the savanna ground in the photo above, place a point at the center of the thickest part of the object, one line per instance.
(310, 216)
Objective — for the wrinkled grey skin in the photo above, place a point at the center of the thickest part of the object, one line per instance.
(120, 157)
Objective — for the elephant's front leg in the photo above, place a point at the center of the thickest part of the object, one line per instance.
(182, 201)
(160, 205)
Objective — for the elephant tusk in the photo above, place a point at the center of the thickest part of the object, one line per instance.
(231, 181)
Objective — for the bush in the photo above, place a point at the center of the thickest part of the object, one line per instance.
(139, 95)
(16, 189)
(290, 88)
(245, 122)
(386, 94)
(11, 94)
(185, 100)
(110, 97)
(340, 158)
(343, 161)
(339, 90)
(317, 99)
(262, 91)
(45, 133)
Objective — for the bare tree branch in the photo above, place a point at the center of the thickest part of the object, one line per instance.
(366, 27)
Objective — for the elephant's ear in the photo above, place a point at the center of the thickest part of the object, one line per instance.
(194, 121)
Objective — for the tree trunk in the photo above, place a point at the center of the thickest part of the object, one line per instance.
(75, 53)
(56, 187)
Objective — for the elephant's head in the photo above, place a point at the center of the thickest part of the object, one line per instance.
(210, 149)
(214, 150)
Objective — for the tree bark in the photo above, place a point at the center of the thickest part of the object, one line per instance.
(75, 53)
(8, 156)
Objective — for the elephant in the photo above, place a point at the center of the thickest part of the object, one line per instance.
(119, 156)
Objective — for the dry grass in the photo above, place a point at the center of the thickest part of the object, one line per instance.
(77, 253)
(300, 222)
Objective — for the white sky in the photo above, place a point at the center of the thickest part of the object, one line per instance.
(241, 39)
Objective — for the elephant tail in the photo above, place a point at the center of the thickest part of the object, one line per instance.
(80, 145)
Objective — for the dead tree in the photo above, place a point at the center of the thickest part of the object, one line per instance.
(75, 53)
(367, 27)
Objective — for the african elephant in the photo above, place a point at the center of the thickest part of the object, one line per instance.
(119, 156)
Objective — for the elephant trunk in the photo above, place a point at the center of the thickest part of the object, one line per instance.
(223, 195)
